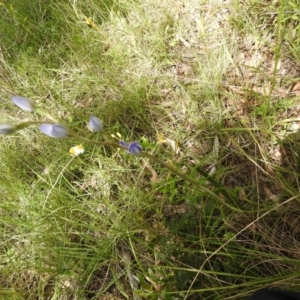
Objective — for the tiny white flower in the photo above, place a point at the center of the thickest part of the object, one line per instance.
(77, 150)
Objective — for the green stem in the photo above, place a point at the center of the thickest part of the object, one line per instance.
(174, 170)
(193, 181)
(44, 113)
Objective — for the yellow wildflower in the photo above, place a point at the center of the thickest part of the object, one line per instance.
(174, 144)
(77, 150)
(91, 23)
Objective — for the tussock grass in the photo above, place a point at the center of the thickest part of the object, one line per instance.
(216, 77)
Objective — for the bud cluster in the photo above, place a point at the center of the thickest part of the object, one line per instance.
(56, 130)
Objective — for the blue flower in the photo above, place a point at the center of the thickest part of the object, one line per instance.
(23, 103)
(55, 130)
(95, 124)
(133, 148)
(7, 128)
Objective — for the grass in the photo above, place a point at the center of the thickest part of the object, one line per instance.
(217, 78)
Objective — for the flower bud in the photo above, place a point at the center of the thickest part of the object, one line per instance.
(7, 128)
(95, 124)
(55, 130)
(23, 103)
(133, 148)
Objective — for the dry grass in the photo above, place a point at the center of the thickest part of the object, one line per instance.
(207, 85)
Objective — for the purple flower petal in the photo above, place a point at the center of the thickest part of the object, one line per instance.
(7, 128)
(95, 124)
(135, 148)
(23, 103)
(60, 130)
(54, 130)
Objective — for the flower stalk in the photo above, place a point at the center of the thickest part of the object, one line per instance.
(56, 130)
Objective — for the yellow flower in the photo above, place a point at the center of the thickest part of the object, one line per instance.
(77, 150)
(174, 144)
(91, 23)
(161, 138)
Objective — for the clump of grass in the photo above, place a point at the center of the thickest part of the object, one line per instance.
(173, 74)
